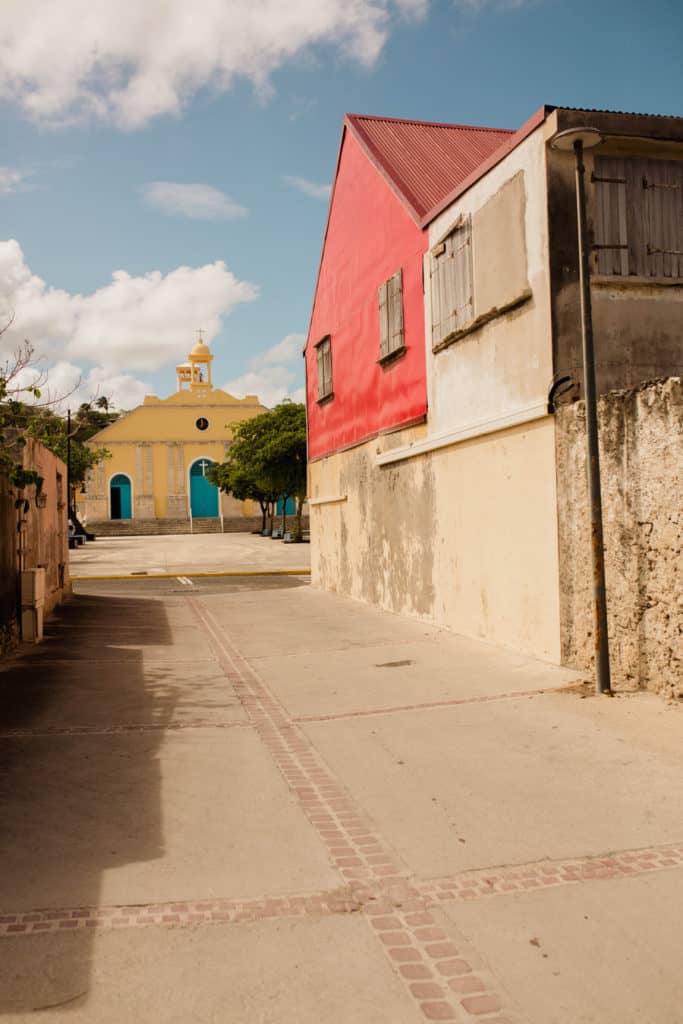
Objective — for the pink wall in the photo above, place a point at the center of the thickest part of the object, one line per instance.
(370, 235)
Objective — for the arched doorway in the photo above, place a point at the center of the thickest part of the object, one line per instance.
(120, 497)
(203, 494)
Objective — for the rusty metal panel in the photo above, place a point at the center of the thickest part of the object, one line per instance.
(426, 161)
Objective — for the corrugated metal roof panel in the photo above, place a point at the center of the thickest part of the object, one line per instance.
(425, 161)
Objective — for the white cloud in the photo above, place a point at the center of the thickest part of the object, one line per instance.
(200, 202)
(273, 374)
(131, 61)
(12, 180)
(286, 351)
(309, 188)
(69, 385)
(132, 324)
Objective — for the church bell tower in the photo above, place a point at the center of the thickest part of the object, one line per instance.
(195, 374)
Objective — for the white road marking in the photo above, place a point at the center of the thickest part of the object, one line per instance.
(184, 580)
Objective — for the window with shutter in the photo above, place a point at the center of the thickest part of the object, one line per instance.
(324, 366)
(638, 217)
(391, 336)
(451, 283)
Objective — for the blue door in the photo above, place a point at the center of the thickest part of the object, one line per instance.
(291, 507)
(119, 489)
(203, 495)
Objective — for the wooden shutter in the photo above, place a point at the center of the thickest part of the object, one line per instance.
(451, 278)
(639, 217)
(324, 366)
(395, 298)
(611, 234)
(384, 319)
(662, 182)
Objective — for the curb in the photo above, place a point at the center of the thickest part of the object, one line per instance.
(194, 575)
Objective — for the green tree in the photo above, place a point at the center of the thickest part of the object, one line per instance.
(284, 456)
(266, 460)
(14, 387)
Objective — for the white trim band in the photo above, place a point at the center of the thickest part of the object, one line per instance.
(527, 414)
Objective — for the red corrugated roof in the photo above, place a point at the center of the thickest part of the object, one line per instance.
(424, 161)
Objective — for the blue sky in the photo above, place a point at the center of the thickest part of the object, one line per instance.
(244, 100)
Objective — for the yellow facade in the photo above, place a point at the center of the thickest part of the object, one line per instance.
(158, 450)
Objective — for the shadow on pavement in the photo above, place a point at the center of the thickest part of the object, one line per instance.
(79, 782)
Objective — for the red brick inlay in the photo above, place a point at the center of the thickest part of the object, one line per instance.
(217, 911)
(474, 885)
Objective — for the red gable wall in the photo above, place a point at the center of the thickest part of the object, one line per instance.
(370, 235)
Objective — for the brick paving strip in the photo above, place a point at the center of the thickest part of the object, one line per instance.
(465, 886)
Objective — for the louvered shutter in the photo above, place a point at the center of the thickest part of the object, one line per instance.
(451, 277)
(384, 319)
(324, 367)
(611, 235)
(639, 217)
(395, 297)
(662, 182)
(327, 366)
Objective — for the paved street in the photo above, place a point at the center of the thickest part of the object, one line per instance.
(240, 800)
(214, 552)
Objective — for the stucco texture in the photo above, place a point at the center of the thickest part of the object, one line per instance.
(41, 541)
(641, 452)
(464, 537)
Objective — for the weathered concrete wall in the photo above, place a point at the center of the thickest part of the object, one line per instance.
(43, 539)
(637, 321)
(8, 567)
(45, 534)
(465, 536)
(641, 446)
(503, 365)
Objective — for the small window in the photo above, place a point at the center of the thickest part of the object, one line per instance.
(202, 423)
(638, 217)
(451, 283)
(391, 336)
(324, 353)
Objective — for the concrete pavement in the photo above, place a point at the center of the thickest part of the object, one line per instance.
(231, 801)
(178, 555)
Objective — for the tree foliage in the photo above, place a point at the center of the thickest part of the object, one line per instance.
(21, 419)
(266, 460)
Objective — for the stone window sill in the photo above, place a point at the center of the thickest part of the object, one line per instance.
(325, 398)
(392, 357)
(624, 281)
(481, 321)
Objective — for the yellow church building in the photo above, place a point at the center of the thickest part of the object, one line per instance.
(161, 451)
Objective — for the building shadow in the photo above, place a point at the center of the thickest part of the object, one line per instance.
(80, 730)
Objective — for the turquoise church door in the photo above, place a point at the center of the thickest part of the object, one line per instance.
(203, 494)
(120, 497)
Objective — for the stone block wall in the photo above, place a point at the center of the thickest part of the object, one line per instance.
(641, 451)
(42, 540)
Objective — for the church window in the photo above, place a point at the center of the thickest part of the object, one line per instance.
(202, 423)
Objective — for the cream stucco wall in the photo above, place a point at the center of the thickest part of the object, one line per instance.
(464, 536)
